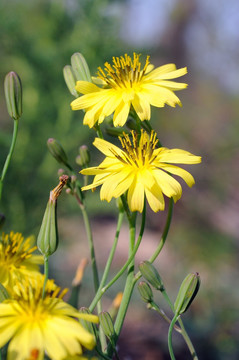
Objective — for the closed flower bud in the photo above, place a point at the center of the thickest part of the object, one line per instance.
(113, 131)
(151, 275)
(145, 292)
(107, 324)
(187, 292)
(3, 293)
(89, 326)
(13, 95)
(70, 79)
(80, 67)
(57, 151)
(83, 159)
(47, 240)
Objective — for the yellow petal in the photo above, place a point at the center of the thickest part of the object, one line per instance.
(136, 195)
(85, 87)
(169, 186)
(106, 147)
(155, 198)
(141, 106)
(121, 114)
(178, 156)
(185, 175)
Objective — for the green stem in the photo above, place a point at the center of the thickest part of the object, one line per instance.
(170, 330)
(165, 232)
(46, 272)
(91, 246)
(129, 285)
(9, 156)
(102, 290)
(163, 237)
(155, 307)
(183, 330)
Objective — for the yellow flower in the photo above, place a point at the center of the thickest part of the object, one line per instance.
(16, 259)
(125, 84)
(34, 325)
(142, 169)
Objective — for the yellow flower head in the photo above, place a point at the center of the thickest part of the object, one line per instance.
(125, 83)
(142, 169)
(16, 259)
(34, 325)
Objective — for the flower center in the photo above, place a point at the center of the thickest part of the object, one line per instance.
(138, 152)
(124, 73)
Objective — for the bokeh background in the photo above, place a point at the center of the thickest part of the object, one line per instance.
(37, 38)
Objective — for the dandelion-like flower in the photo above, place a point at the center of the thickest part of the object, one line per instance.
(125, 83)
(17, 260)
(142, 169)
(34, 325)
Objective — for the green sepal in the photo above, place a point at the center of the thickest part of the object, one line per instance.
(80, 67)
(107, 324)
(145, 292)
(70, 79)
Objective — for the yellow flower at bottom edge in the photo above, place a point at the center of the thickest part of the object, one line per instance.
(141, 169)
(33, 325)
(125, 84)
(17, 260)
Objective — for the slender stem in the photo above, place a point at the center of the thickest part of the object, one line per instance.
(183, 330)
(155, 307)
(122, 270)
(170, 330)
(91, 246)
(163, 237)
(9, 156)
(165, 232)
(46, 272)
(129, 285)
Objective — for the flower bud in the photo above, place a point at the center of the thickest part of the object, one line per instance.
(89, 326)
(70, 79)
(151, 275)
(107, 324)
(13, 95)
(145, 292)
(47, 240)
(187, 292)
(83, 159)
(3, 293)
(80, 67)
(115, 132)
(57, 151)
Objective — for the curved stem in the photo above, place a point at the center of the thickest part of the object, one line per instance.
(183, 330)
(170, 330)
(9, 156)
(46, 272)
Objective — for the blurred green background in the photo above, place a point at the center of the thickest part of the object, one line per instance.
(37, 38)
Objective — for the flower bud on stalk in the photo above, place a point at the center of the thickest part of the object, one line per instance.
(80, 67)
(57, 151)
(83, 159)
(145, 292)
(107, 324)
(151, 275)
(70, 79)
(13, 94)
(89, 326)
(187, 292)
(47, 240)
